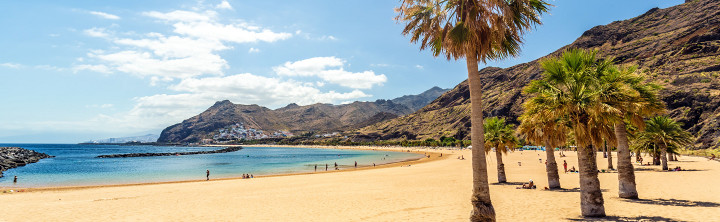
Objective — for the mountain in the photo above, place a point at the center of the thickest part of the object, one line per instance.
(290, 119)
(143, 139)
(676, 47)
(415, 102)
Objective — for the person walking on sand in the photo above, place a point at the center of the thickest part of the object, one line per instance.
(207, 174)
(355, 164)
(565, 165)
(15, 179)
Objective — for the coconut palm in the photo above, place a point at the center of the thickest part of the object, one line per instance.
(572, 89)
(477, 30)
(539, 130)
(501, 136)
(666, 135)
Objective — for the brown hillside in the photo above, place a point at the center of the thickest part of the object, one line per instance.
(676, 47)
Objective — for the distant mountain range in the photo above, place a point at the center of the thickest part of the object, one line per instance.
(676, 47)
(322, 118)
(143, 139)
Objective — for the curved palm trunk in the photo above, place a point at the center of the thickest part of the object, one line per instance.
(551, 168)
(592, 203)
(663, 156)
(626, 172)
(500, 166)
(482, 206)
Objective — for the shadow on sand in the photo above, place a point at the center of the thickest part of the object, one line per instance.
(573, 190)
(617, 218)
(675, 202)
(509, 183)
(662, 171)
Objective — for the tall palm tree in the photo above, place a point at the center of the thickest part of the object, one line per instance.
(665, 134)
(477, 30)
(536, 128)
(572, 88)
(640, 101)
(501, 136)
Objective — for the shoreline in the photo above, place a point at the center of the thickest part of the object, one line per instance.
(380, 166)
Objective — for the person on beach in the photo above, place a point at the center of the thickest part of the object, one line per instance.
(529, 185)
(315, 167)
(207, 174)
(565, 165)
(326, 166)
(252, 176)
(355, 164)
(15, 179)
(373, 164)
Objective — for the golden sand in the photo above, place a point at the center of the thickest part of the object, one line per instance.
(424, 191)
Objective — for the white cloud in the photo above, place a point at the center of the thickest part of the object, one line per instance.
(105, 15)
(94, 68)
(328, 37)
(224, 5)
(96, 32)
(330, 69)
(253, 50)
(102, 106)
(419, 67)
(11, 65)
(183, 16)
(191, 51)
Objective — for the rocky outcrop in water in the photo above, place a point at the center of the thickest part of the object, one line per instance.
(225, 150)
(11, 157)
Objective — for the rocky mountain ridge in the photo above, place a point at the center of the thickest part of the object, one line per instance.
(293, 118)
(677, 47)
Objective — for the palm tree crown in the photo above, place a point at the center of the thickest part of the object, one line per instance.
(500, 135)
(485, 29)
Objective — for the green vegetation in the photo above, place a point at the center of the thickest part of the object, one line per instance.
(662, 135)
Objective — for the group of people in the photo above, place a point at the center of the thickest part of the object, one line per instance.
(572, 170)
(247, 176)
(461, 157)
(529, 185)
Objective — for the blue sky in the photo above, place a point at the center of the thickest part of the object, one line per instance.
(72, 71)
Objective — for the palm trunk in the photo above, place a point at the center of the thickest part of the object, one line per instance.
(551, 168)
(626, 172)
(591, 199)
(604, 150)
(610, 164)
(500, 166)
(482, 206)
(663, 156)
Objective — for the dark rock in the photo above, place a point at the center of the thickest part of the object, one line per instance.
(11, 157)
(224, 150)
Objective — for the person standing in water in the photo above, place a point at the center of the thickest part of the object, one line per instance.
(207, 174)
(315, 167)
(326, 166)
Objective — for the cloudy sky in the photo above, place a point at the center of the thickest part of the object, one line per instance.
(72, 71)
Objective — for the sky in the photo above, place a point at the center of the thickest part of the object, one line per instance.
(73, 71)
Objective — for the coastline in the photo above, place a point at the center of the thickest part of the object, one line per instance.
(379, 166)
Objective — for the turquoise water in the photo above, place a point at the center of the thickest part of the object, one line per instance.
(76, 165)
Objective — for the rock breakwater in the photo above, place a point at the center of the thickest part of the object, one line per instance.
(11, 157)
(224, 150)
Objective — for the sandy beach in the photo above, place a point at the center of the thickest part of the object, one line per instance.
(436, 189)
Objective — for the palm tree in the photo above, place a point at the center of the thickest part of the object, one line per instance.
(640, 101)
(666, 135)
(499, 135)
(548, 132)
(572, 88)
(477, 30)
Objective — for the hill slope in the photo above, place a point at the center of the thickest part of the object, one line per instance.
(293, 118)
(676, 47)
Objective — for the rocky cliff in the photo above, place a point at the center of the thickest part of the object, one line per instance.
(676, 47)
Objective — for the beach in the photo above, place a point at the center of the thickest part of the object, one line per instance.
(436, 189)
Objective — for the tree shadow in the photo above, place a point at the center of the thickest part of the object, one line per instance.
(629, 219)
(663, 171)
(674, 202)
(577, 189)
(509, 183)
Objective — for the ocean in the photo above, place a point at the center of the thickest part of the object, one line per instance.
(76, 165)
